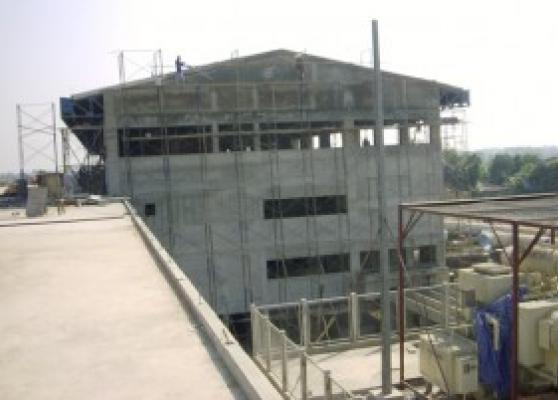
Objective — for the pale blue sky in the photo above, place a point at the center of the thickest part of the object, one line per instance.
(503, 51)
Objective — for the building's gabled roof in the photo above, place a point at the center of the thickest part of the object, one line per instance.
(281, 65)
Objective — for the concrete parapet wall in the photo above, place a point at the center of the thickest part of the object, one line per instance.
(248, 376)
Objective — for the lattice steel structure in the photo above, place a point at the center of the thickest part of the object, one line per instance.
(37, 138)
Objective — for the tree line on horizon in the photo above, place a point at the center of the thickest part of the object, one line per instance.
(515, 173)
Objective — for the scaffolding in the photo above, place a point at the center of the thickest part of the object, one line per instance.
(267, 139)
(454, 129)
(260, 137)
(138, 63)
(37, 137)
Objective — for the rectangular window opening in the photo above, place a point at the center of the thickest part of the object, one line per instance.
(419, 134)
(391, 136)
(149, 209)
(366, 137)
(370, 261)
(315, 141)
(427, 255)
(304, 206)
(229, 143)
(305, 266)
(336, 139)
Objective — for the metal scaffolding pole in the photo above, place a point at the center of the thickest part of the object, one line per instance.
(54, 144)
(20, 143)
(382, 228)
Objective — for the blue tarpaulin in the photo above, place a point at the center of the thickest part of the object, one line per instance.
(494, 364)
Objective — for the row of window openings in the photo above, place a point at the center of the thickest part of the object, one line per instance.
(291, 207)
(149, 142)
(302, 266)
(336, 263)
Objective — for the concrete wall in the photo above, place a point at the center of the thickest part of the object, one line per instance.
(209, 207)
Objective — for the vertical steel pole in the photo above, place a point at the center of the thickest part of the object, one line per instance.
(401, 293)
(303, 377)
(305, 324)
(65, 150)
(20, 143)
(553, 236)
(353, 317)
(267, 343)
(284, 364)
(382, 221)
(446, 305)
(54, 143)
(515, 300)
(328, 392)
(254, 325)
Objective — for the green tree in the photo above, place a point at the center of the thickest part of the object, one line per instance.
(535, 175)
(543, 177)
(462, 171)
(501, 167)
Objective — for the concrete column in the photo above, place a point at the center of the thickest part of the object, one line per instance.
(255, 98)
(435, 138)
(214, 101)
(257, 137)
(350, 149)
(115, 175)
(355, 264)
(350, 134)
(325, 140)
(312, 87)
(214, 137)
(404, 139)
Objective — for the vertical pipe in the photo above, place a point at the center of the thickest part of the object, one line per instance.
(384, 262)
(267, 343)
(305, 324)
(65, 159)
(65, 150)
(20, 143)
(401, 293)
(353, 317)
(515, 300)
(284, 364)
(553, 236)
(254, 325)
(303, 377)
(328, 392)
(54, 143)
(446, 305)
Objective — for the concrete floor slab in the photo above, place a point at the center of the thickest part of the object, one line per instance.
(86, 314)
(361, 368)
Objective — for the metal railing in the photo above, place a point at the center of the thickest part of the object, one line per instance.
(355, 320)
(288, 365)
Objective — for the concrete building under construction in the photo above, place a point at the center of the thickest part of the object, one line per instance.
(258, 173)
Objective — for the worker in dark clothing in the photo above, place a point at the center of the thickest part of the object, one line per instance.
(179, 64)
